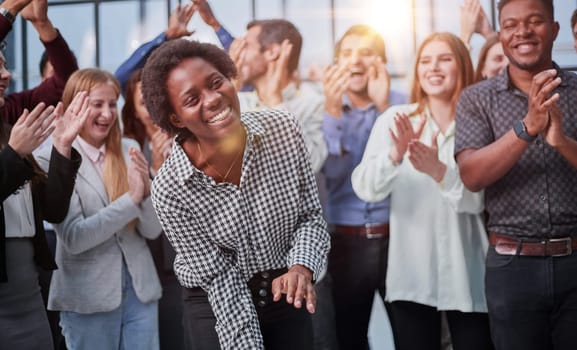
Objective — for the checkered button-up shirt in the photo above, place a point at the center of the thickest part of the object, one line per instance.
(224, 234)
(537, 197)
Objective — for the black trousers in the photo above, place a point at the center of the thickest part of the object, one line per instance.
(283, 327)
(532, 301)
(418, 327)
(357, 266)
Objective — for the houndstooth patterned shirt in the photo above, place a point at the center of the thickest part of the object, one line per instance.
(224, 234)
(537, 197)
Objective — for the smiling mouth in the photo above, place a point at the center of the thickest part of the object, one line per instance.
(220, 116)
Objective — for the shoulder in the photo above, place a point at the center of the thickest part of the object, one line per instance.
(396, 97)
(127, 143)
(407, 108)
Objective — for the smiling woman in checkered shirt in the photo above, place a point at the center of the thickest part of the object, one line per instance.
(238, 201)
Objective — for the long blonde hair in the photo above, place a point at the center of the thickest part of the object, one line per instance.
(464, 65)
(114, 172)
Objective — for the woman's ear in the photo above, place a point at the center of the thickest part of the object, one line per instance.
(174, 120)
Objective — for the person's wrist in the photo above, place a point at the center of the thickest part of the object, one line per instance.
(530, 128)
(302, 270)
(10, 15)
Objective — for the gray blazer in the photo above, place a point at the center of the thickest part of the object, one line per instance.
(94, 238)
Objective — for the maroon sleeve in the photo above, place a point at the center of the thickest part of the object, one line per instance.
(50, 90)
(5, 27)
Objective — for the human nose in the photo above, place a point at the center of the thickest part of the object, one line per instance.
(106, 111)
(211, 99)
(522, 29)
(5, 73)
(355, 57)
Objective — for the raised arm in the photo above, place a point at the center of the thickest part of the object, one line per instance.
(177, 28)
(59, 55)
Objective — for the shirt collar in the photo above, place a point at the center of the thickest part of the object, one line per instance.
(91, 152)
(184, 168)
(503, 80)
(347, 104)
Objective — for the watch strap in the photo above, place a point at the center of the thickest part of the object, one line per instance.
(521, 132)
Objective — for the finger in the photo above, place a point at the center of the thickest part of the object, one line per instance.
(311, 298)
(276, 288)
(434, 143)
(59, 110)
(35, 113)
(291, 283)
(540, 79)
(394, 137)
(372, 73)
(44, 121)
(300, 291)
(421, 126)
(548, 104)
(22, 119)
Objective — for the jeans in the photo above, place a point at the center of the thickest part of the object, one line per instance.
(532, 301)
(133, 325)
(357, 266)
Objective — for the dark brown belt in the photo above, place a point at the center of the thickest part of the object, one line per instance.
(369, 231)
(506, 245)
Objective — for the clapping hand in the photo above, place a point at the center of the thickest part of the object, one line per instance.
(178, 22)
(138, 176)
(161, 143)
(237, 54)
(405, 133)
(31, 129)
(426, 158)
(335, 83)
(379, 83)
(67, 125)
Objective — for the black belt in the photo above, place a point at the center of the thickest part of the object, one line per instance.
(369, 231)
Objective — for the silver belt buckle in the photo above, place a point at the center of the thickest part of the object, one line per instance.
(369, 234)
(567, 241)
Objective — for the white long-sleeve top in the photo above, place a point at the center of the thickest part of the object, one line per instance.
(438, 242)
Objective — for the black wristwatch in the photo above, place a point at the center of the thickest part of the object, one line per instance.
(521, 132)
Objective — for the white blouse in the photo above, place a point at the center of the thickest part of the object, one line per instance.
(19, 213)
(438, 241)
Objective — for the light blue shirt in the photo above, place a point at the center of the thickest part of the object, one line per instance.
(346, 139)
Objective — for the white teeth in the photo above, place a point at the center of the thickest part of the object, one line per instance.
(220, 116)
(435, 79)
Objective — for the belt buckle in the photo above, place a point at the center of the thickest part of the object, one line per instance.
(369, 235)
(567, 241)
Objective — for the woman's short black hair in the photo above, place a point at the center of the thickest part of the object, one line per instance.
(162, 61)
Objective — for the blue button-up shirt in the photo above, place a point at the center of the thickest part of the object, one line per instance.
(346, 140)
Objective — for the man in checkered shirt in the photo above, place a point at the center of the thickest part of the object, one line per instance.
(238, 201)
(516, 139)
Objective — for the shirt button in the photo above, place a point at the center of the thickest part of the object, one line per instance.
(265, 275)
(538, 142)
(263, 284)
(543, 198)
(261, 303)
(262, 292)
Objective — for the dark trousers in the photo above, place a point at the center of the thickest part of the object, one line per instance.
(283, 327)
(532, 301)
(44, 277)
(324, 329)
(418, 326)
(170, 331)
(357, 266)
